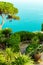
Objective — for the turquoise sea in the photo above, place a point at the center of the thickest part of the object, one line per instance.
(31, 17)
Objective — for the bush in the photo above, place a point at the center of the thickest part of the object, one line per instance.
(26, 36)
(31, 49)
(40, 49)
(7, 57)
(7, 32)
(23, 60)
(40, 36)
(4, 35)
(15, 48)
(14, 42)
(35, 40)
(2, 38)
(8, 39)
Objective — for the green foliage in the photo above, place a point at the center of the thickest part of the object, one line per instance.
(7, 32)
(9, 10)
(32, 47)
(7, 57)
(42, 27)
(23, 60)
(14, 41)
(15, 48)
(40, 36)
(4, 35)
(9, 39)
(2, 38)
(26, 36)
(35, 40)
(39, 49)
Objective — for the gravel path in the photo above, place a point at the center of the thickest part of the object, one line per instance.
(23, 48)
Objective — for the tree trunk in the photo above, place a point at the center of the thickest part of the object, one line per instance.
(1, 25)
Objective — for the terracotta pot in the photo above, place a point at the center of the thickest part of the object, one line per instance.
(37, 56)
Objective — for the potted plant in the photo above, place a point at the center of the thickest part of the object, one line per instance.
(38, 52)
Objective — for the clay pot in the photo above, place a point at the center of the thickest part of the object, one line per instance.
(37, 56)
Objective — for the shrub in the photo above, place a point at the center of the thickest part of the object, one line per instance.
(14, 42)
(32, 46)
(23, 60)
(35, 40)
(8, 39)
(40, 36)
(8, 57)
(31, 49)
(2, 41)
(2, 38)
(39, 49)
(26, 35)
(4, 35)
(7, 32)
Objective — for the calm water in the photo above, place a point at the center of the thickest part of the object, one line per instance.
(31, 17)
